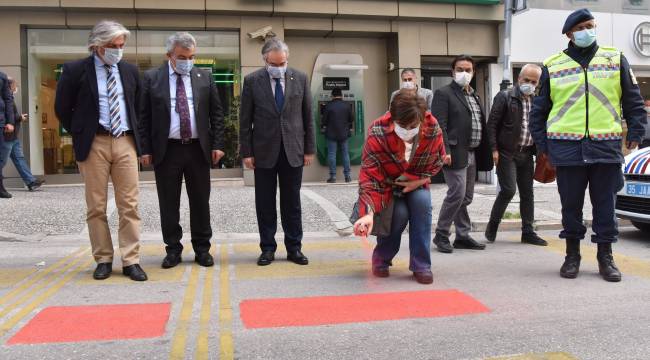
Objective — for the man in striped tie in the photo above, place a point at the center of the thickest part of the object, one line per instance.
(96, 101)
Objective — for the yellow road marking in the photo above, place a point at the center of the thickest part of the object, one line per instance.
(35, 289)
(627, 264)
(153, 250)
(202, 345)
(284, 269)
(226, 348)
(155, 274)
(41, 275)
(41, 298)
(542, 356)
(308, 246)
(12, 276)
(180, 335)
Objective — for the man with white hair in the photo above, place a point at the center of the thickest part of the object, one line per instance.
(96, 100)
(512, 151)
(276, 136)
(181, 125)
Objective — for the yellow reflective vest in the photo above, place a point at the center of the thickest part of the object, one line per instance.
(586, 101)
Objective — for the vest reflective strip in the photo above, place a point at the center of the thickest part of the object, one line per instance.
(564, 136)
(567, 105)
(605, 101)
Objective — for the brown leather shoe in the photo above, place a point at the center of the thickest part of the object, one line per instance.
(423, 277)
(380, 272)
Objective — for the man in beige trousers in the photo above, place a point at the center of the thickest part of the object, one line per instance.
(96, 102)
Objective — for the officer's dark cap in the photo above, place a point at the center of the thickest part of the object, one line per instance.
(576, 18)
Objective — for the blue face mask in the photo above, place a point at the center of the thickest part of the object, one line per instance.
(584, 38)
(184, 67)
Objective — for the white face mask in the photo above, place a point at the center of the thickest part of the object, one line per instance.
(276, 72)
(184, 67)
(527, 89)
(408, 85)
(463, 78)
(647, 109)
(113, 56)
(405, 134)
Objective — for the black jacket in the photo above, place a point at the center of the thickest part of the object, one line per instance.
(156, 106)
(18, 116)
(587, 151)
(77, 102)
(504, 122)
(454, 115)
(6, 102)
(336, 121)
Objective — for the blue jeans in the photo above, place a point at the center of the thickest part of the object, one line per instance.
(413, 209)
(331, 156)
(14, 150)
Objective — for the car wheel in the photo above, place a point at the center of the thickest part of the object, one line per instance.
(645, 227)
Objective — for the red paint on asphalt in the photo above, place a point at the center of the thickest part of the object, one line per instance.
(94, 323)
(312, 311)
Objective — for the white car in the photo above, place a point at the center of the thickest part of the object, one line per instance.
(633, 201)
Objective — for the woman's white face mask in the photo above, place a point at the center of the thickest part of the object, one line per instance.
(406, 134)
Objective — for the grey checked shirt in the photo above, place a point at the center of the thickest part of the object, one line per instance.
(472, 101)
(526, 139)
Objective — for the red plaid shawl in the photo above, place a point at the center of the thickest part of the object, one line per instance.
(383, 158)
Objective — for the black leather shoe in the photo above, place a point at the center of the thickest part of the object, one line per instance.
(204, 259)
(348, 179)
(135, 272)
(533, 239)
(606, 266)
(297, 257)
(331, 180)
(491, 232)
(423, 277)
(266, 258)
(571, 267)
(442, 244)
(103, 271)
(380, 272)
(4, 194)
(171, 260)
(468, 243)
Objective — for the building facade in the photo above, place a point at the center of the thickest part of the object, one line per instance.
(384, 36)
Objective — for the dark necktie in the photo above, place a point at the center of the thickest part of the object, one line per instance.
(279, 94)
(182, 108)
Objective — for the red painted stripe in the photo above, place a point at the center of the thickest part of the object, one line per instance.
(312, 311)
(645, 166)
(87, 323)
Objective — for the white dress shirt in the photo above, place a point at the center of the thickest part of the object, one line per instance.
(175, 120)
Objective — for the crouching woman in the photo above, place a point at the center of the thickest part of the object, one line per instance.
(403, 150)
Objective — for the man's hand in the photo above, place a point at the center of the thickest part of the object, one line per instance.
(217, 155)
(145, 160)
(631, 144)
(9, 129)
(308, 159)
(447, 159)
(249, 162)
(24, 117)
(544, 157)
(495, 157)
(363, 226)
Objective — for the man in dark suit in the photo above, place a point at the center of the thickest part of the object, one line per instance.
(336, 124)
(6, 120)
(462, 119)
(96, 101)
(182, 130)
(277, 140)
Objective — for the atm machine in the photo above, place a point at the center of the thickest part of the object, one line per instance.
(343, 71)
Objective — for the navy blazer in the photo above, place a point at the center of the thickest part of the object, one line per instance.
(77, 102)
(6, 102)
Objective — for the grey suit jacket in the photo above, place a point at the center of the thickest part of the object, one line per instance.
(264, 127)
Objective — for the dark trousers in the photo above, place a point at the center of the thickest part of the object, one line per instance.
(266, 182)
(604, 181)
(516, 173)
(184, 161)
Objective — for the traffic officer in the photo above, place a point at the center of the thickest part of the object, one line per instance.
(586, 90)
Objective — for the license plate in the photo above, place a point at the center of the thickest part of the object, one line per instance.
(638, 190)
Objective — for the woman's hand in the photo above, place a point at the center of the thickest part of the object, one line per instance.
(411, 185)
(363, 226)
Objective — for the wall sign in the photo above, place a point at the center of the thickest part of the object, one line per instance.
(641, 39)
